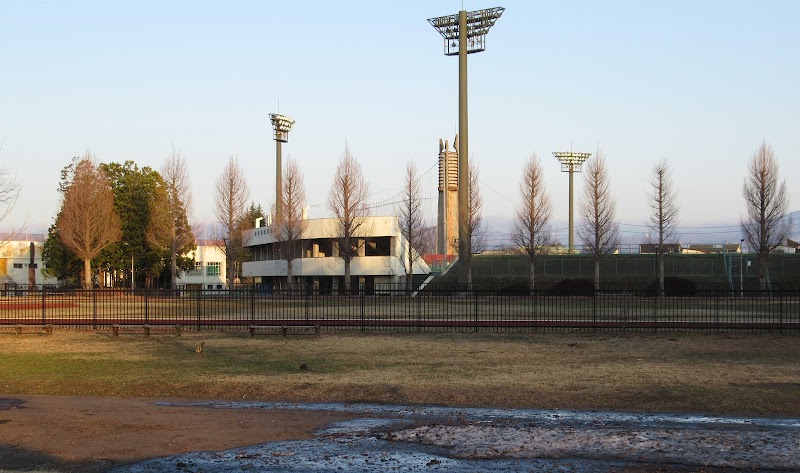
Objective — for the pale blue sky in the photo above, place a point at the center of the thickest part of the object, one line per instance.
(699, 82)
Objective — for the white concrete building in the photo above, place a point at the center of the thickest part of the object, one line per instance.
(15, 259)
(380, 260)
(210, 267)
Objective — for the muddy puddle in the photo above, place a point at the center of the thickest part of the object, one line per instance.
(429, 438)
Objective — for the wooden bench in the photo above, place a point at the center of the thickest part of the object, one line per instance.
(131, 328)
(47, 329)
(286, 329)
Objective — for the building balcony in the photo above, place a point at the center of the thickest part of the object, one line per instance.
(332, 266)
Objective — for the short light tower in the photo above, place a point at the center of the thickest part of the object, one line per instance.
(571, 162)
(282, 125)
(463, 34)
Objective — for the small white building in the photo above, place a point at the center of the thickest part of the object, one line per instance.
(15, 259)
(380, 260)
(210, 267)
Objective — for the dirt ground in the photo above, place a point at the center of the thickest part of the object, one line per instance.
(72, 434)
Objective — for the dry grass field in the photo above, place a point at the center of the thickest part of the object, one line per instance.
(749, 374)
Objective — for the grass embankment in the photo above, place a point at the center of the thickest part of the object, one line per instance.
(718, 374)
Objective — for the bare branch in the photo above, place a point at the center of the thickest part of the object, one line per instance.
(664, 208)
(531, 232)
(292, 225)
(599, 230)
(766, 198)
(9, 190)
(175, 173)
(231, 196)
(88, 222)
(347, 200)
(411, 221)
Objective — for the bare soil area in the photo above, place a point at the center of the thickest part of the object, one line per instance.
(91, 434)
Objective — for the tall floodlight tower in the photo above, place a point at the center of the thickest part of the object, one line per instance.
(571, 163)
(282, 125)
(463, 34)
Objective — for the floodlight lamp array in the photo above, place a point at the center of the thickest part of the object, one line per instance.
(571, 161)
(478, 24)
(282, 125)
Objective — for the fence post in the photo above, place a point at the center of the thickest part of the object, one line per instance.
(146, 308)
(594, 309)
(419, 311)
(309, 292)
(716, 310)
(780, 311)
(44, 316)
(475, 292)
(361, 295)
(253, 304)
(656, 308)
(94, 308)
(198, 310)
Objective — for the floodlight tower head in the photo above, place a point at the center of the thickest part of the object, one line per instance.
(571, 162)
(282, 125)
(478, 24)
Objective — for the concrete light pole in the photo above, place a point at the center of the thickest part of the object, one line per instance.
(281, 125)
(464, 33)
(571, 163)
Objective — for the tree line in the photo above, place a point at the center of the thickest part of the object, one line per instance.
(114, 213)
(117, 217)
(765, 225)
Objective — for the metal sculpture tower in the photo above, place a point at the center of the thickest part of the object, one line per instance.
(448, 198)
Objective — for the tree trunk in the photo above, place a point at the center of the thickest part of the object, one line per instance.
(410, 272)
(87, 273)
(596, 275)
(531, 274)
(347, 276)
(661, 274)
(762, 271)
(174, 270)
(468, 262)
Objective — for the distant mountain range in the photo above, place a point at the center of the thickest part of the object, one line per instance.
(499, 232)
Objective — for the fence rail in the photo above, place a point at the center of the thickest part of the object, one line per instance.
(620, 308)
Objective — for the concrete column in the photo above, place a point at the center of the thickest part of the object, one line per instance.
(464, 242)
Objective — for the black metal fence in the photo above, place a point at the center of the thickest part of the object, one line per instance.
(621, 308)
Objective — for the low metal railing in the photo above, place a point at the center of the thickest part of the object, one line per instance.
(392, 307)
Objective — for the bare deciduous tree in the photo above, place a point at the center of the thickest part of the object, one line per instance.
(475, 225)
(766, 225)
(231, 196)
(9, 193)
(411, 222)
(347, 200)
(599, 230)
(664, 216)
(179, 203)
(292, 225)
(531, 231)
(88, 222)
(426, 242)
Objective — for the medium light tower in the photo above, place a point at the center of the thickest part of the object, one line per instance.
(463, 34)
(571, 163)
(282, 125)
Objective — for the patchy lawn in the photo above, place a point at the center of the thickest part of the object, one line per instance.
(753, 374)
